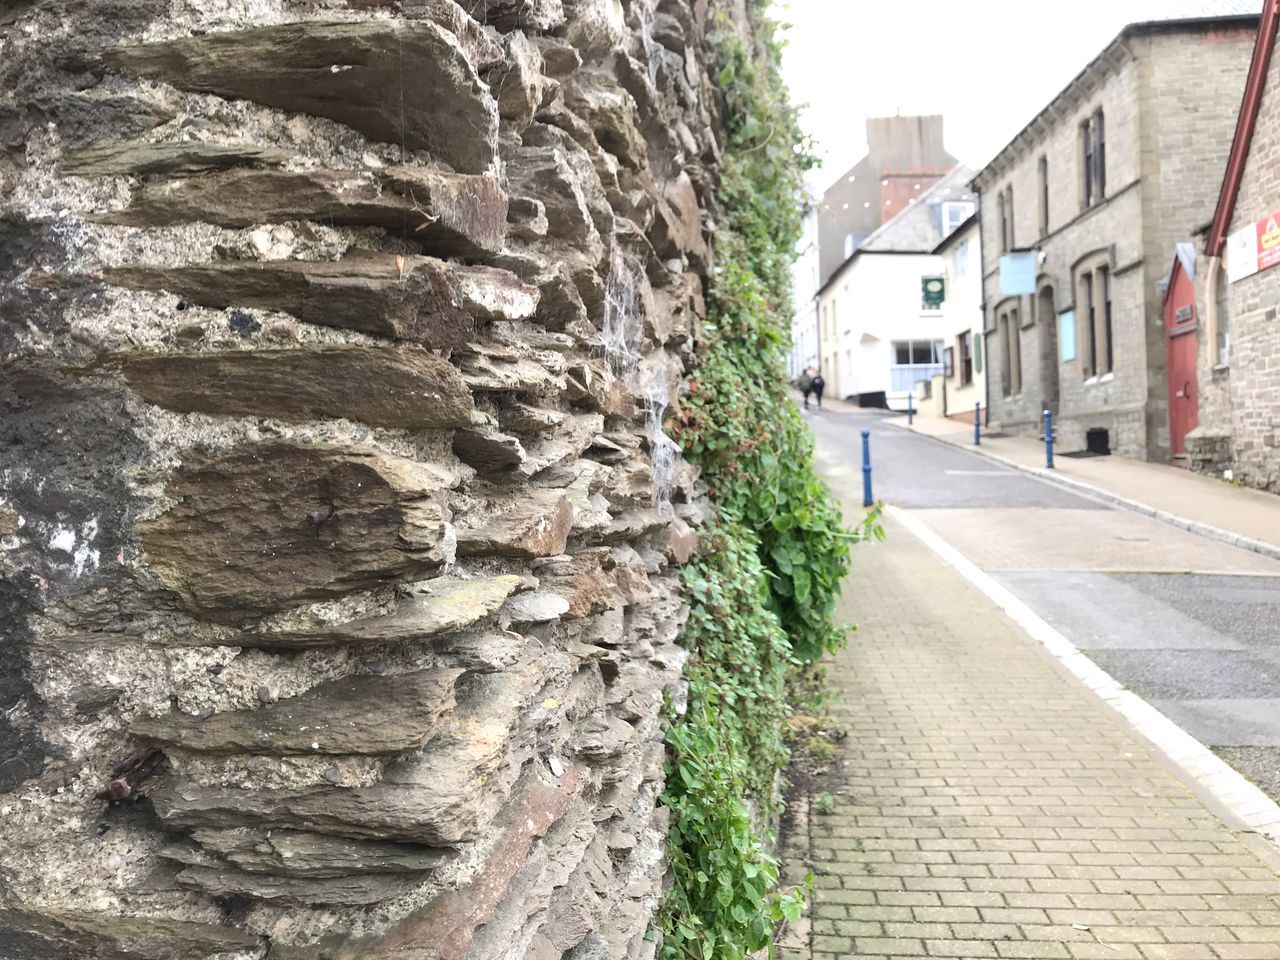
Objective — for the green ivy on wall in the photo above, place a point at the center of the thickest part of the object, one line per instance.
(762, 590)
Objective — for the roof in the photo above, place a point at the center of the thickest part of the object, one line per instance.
(916, 228)
(955, 234)
(1241, 142)
(1163, 16)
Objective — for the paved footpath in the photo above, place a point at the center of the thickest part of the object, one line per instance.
(987, 805)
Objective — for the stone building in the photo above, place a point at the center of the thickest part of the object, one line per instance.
(1237, 292)
(1125, 161)
(905, 155)
(339, 534)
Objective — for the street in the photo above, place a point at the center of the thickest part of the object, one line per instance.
(990, 796)
(1189, 624)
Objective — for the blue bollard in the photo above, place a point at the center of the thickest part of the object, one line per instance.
(910, 407)
(1048, 439)
(867, 499)
(977, 424)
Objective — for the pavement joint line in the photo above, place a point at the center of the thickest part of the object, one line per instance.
(1097, 493)
(1245, 802)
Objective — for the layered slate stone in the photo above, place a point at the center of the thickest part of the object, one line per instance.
(442, 212)
(363, 714)
(357, 891)
(409, 298)
(435, 607)
(294, 853)
(69, 934)
(271, 525)
(408, 83)
(441, 797)
(445, 927)
(383, 387)
(187, 157)
(535, 524)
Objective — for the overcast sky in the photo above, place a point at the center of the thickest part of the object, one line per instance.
(987, 65)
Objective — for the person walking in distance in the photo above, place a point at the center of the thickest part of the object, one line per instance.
(818, 385)
(805, 383)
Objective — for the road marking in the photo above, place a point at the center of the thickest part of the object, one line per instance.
(980, 473)
(1246, 803)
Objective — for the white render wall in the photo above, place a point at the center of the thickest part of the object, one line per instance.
(963, 271)
(876, 300)
(804, 286)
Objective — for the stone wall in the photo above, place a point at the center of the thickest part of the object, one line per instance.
(1240, 401)
(339, 532)
(1168, 98)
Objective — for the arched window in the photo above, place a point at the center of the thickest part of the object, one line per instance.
(1093, 315)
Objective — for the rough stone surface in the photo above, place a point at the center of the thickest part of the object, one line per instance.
(412, 389)
(274, 524)
(360, 714)
(385, 79)
(339, 601)
(410, 298)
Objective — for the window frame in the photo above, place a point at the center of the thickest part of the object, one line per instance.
(1042, 171)
(964, 349)
(1010, 333)
(1093, 159)
(1095, 316)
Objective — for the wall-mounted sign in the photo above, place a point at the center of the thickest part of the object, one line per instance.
(1018, 273)
(1067, 335)
(935, 292)
(1253, 248)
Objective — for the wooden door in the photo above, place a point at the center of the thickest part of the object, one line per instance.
(1183, 395)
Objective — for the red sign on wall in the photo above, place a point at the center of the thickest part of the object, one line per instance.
(1268, 241)
(1253, 248)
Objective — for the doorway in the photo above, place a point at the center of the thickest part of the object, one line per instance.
(1180, 324)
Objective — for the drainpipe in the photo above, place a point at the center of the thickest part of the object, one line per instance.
(982, 328)
(1211, 307)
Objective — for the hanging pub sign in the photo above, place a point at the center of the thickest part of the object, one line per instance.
(935, 292)
(1253, 248)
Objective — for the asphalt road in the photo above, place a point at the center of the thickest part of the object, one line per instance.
(1152, 605)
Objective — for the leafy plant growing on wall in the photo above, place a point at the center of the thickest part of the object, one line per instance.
(762, 591)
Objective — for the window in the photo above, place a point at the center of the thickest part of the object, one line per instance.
(1094, 312)
(1223, 335)
(961, 258)
(965, 344)
(914, 361)
(849, 244)
(1005, 203)
(1044, 196)
(1010, 350)
(954, 213)
(948, 362)
(1091, 326)
(907, 352)
(1093, 155)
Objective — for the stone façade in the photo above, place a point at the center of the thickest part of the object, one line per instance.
(339, 606)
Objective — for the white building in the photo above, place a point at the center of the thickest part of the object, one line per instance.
(963, 380)
(882, 325)
(804, 286)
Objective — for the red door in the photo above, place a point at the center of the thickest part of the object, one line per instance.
(1183, 401)
(1180, 327)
